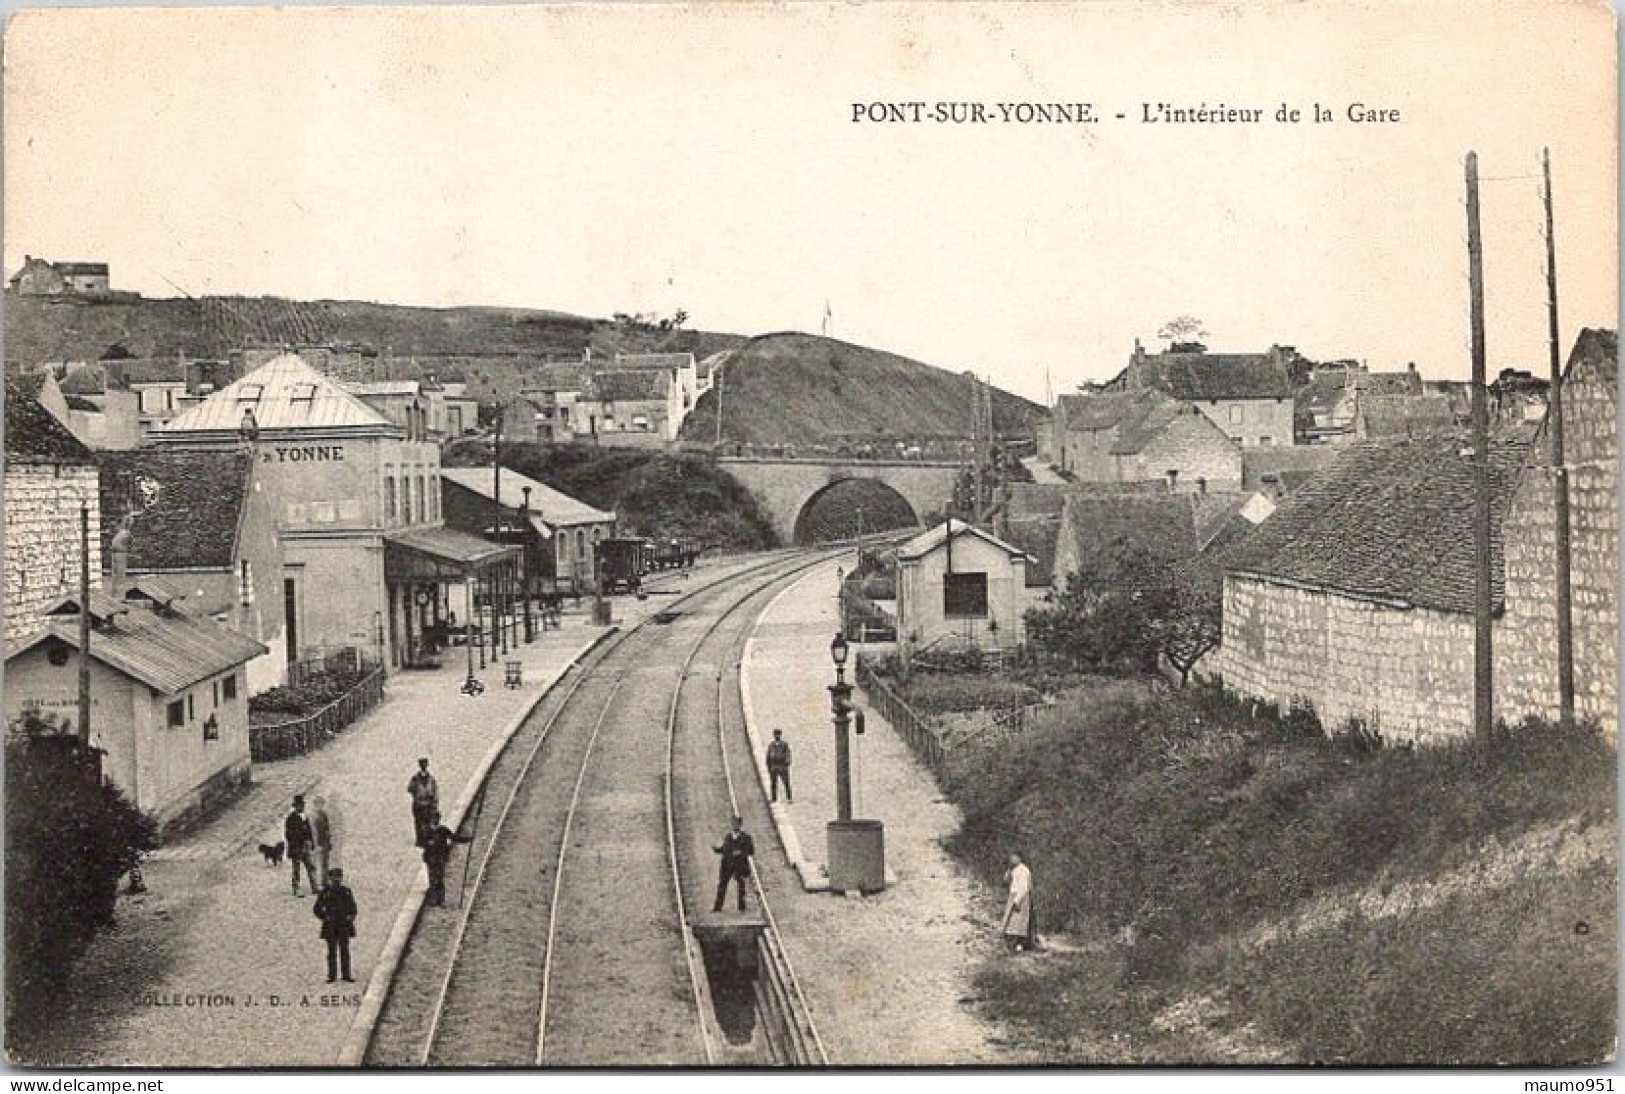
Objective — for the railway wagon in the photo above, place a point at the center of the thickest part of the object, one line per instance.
(622, 562)
(671, 554)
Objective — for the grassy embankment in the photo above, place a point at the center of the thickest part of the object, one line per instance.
(652, 493)
(1233, 891)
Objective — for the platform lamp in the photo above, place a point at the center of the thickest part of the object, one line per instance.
(857, 848)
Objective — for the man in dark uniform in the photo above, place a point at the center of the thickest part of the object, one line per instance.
(336, 909)
(736, 852)
(436, 853)
(778, 766)
(296, 832)
(425, 798)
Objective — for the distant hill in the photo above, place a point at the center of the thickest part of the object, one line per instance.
(65, 328)
(803, 389)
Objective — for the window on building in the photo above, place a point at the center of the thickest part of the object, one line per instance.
(228, 687)
(249, 394)
(177, 713)
(406, 500)
(964, 596)
(563, 548)
(423, 513)
(191, 707)
(1265, 441)
(214, 690)
(389, 497)
(302, 395)
(1236, 413)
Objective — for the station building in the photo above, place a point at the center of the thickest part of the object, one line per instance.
(366, 555)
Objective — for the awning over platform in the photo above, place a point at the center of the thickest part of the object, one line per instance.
(428, 554)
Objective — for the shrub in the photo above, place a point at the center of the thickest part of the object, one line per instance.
(69, 837)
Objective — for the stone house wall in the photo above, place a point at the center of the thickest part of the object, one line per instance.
(1192, 448)
(1407, 672)
(42, 539)
(1526, 652)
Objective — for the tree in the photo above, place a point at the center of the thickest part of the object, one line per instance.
(1182, 328)
(69, 838)
(1140, 606)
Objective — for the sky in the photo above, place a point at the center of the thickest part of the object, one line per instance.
(650, 158)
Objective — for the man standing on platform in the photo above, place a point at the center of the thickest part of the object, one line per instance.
(321, 830)
(436, 853)
(300, 839)
(736, 851)
(336, 909)
(778, 766)
(425, 799)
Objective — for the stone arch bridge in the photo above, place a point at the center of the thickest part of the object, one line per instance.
(785, 487)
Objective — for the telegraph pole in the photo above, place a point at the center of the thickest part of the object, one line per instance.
(494, 586)
(1483, 669)
(1560, 473)
(84, 625)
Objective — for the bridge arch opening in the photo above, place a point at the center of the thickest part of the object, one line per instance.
(851, 507)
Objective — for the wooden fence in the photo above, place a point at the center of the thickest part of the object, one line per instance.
(915, 729)
(285, 740)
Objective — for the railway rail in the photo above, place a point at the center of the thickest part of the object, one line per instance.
(585, 791)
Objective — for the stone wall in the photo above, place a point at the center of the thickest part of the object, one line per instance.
(1526, 650)
(1192, 448)
(42, 539)
(1407, 672)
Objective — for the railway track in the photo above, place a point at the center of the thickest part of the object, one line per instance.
(580, 891)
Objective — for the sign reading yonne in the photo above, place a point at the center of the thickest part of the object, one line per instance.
(304, 453)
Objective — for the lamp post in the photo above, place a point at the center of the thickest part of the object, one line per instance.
(857, 849)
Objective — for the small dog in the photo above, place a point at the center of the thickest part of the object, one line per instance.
(273, 852)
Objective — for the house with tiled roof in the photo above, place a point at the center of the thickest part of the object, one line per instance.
(1526, 654)
(1379, 417)
(39, 277)
(1247, 395)
(203, 523)
(557, 533)
(368, 563)
(49, 474)
(169, 697)
(1143, 436)
(960, 585)
(1357, 594)
(632, 407)
(1328, 402)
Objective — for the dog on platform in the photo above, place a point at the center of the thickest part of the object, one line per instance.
(273, 852)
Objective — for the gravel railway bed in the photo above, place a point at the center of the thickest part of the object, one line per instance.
(589, 765)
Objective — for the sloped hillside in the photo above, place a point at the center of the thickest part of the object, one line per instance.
(803, 389)
(652, 493)
(73, 328)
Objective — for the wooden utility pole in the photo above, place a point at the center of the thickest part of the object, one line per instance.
(976, 446)
(1560, 473)
(84, 625)
(1483, 669)
(495, 587)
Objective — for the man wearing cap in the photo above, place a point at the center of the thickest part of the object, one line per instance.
(736, 851)
(425, 799)
(436, 853)
(297, 833)
(778, 766)
(336, 909)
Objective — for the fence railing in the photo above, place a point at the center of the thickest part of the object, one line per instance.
(284, 740)
(915, 730)
(342, 659)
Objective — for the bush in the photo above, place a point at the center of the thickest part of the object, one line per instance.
(69, 837)
(312, 694)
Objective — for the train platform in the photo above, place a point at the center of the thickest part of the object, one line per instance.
(218, 962)
(918, 940)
